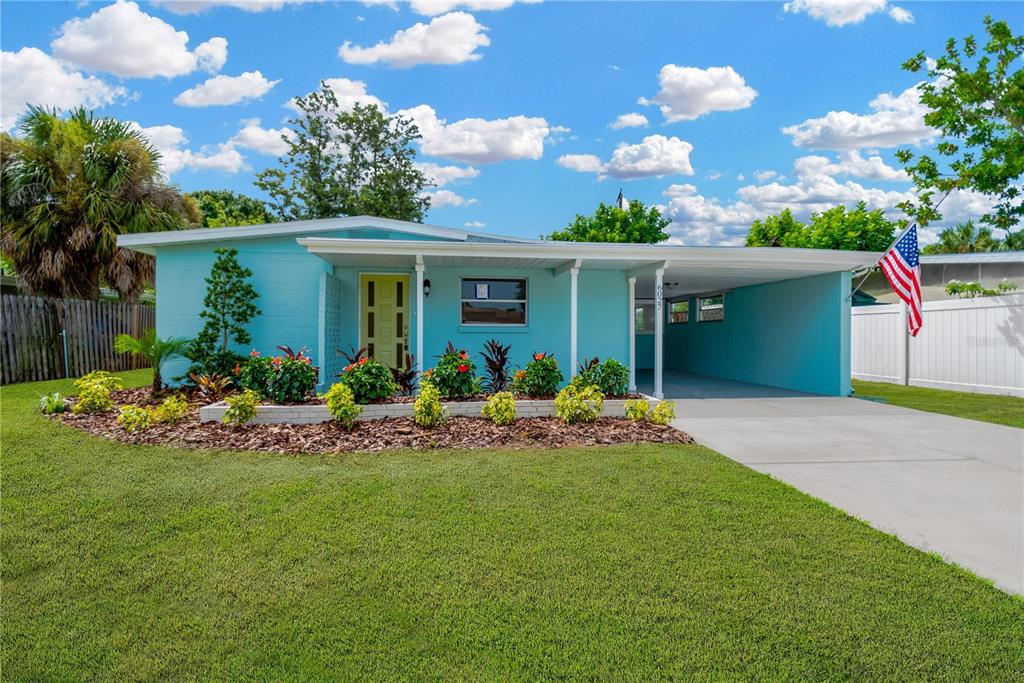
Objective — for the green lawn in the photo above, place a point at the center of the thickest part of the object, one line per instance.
(127, 562)
(1003, 410)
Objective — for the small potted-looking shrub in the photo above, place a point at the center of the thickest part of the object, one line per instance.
(341, 404)
(540, 378)
(455, 374)
(500, 408)
(428, 411)
(575, 404)
(369, 380)
(609, 375)
(288, 378)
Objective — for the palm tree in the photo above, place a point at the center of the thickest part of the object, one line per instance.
(151, 347)
(70, 186)
(963, 238)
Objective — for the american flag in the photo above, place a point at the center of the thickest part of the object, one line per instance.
(901, 267)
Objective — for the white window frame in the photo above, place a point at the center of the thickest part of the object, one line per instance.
(701, 309)
(490, 278)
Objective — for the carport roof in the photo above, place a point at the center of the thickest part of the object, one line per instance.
(687, 270)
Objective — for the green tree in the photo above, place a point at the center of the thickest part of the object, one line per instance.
(637, 224)
(964, 238)
(70, 186)
(358, 162)
(228, 306)
(977, 105)
(837, 228)
(224, 208)
(153, 349)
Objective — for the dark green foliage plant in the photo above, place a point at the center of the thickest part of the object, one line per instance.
(854, 229)
(228, 307)
(455, 374)
(369, 380)
(638, 225)
(609, 375)
(289, 378)
(224, 208)
(540, 378)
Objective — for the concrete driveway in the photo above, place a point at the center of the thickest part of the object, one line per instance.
(939, 483)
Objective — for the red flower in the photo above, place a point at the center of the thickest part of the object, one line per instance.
(254, 354)
(520, 374)
(463, 355)
(276, 360)
(362, 361)
(429, 372)
(238, 368)
(348, 368)
(306, 360)
(463, 368)
(538, 356)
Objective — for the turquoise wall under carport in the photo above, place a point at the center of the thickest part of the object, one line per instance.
(793, 334)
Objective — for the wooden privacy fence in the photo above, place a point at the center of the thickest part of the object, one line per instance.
(43, 338)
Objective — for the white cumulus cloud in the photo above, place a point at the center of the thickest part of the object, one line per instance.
(348, 92)
(631, 120)
(481, 141)
(439, 198)
(474, 225)
(200, 6)
(849, 163)
(448, 39)
(442, 175)
(170, 142)
(30, 76)
(266, 140)
(224, 90)
(435, 7)
(654, 156)
(122, 39)
(688, 92)
(896, 120)
(843, 12)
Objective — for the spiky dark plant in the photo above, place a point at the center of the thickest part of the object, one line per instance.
(406, 377)
(496, 364)
(586, 365)
(353, 355)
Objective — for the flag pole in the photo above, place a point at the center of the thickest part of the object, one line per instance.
(898, 238)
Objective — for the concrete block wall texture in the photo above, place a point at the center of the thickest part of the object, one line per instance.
(793, 334)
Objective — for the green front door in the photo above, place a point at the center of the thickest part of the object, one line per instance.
(384, 318)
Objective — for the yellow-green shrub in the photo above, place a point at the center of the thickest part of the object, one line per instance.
(134, 418)
(637, 409)
(664, 413)
(575, 404)
(501, 408)
(341, 403)
(173, 410)
(241, 407)
(428, 411)
(94, 392)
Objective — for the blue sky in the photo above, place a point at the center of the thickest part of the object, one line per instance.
(731, 110)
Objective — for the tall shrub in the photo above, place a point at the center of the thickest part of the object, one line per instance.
(228, 307)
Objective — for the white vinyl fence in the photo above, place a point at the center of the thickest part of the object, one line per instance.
(964, 345)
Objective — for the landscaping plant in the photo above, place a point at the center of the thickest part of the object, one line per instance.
(637, 409)
(171, 411)
(428, 411)
(368, 380)
(211, 388)
(405, 377)
(575, 404)
(52, 404)
(501, 408)
(455, 374)
(241, 407)
(540, 379)
(134, 418)
(228, 308)
(152, 348)
(610, 376)
(341, 404)
(663, 413)
(353, 355)
(290, 378)
(496, 365)
(94, 392)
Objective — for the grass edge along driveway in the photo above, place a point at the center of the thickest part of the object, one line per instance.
(1002, 410)
(132, 562)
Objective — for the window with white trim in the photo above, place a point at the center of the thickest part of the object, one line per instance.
(493, 301)
(711, 308)
(679, 312)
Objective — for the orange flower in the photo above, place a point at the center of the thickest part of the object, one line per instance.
(520, 374)
(463, 368)
(238, 368)
(348, 368)
(538, 356)
(463, 355)
(254, 354)
(429, 372)
(276, 360)
(362, 361)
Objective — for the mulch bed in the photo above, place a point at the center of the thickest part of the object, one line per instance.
(380, 435)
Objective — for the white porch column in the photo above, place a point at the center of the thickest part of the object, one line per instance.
(420, 267)
(631, 322)
(659, 330)
(574, 274)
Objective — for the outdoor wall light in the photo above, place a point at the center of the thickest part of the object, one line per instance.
(426, 288)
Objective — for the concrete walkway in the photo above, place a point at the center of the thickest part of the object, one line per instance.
(941, 484)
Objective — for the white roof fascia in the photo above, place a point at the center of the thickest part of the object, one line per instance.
(678, 256)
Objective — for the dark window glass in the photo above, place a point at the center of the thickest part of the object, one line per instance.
(399, 300)
(369, 325)
(399, 321)
(501, 290)
(369, 349)
(493, 313)
(398, 354)
(369, 293)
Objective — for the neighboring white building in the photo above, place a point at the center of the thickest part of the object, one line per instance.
(988, 268)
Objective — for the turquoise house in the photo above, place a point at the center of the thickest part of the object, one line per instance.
(775, 317)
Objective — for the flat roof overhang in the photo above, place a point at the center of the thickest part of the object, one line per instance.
(687, 270)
